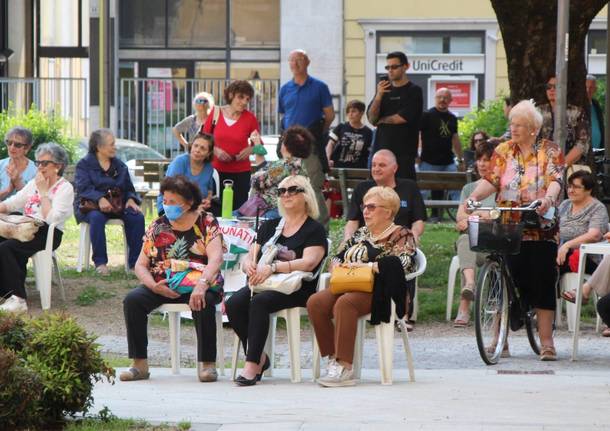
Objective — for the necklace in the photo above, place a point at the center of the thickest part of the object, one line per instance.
(376, 238)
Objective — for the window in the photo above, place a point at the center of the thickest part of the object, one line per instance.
(142, 23)
(197, 23)
(59, 22)
(597, 42)
(255, 23)
(465, 45)
(432, 43)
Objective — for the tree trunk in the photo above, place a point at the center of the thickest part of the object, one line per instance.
(529, 31)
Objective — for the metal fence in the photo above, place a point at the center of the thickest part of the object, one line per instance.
(150, 107)
(65, 97)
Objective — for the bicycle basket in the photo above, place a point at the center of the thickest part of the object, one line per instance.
(491, 236)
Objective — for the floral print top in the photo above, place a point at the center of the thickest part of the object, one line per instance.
(361, 248)
(265, 181)
(167, 248)
(577, 129)
(521, 180)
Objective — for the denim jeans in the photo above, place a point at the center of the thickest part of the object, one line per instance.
(453, 195)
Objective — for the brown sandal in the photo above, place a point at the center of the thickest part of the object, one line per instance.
(548, 353)
(133, 374)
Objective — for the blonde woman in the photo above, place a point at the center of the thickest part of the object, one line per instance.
(202, 106)
(304, 245)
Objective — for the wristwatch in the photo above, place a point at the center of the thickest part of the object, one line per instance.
(204, 281)
(273, 267)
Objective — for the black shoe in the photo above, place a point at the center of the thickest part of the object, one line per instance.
(242, 381)
(266, 366)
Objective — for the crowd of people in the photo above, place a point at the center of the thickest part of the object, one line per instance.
(177, 259)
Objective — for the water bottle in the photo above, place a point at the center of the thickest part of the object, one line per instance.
(227, 199)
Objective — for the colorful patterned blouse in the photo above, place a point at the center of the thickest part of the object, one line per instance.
(265, 181)
(577, 129)
(360, 248)
(520, 181)
(175, 250)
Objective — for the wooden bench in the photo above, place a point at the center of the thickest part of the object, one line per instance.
(345, 180)
(153, 171)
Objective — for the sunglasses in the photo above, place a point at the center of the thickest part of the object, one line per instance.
(44, 163)
(550, 86)
(15, 144)
(201, 101)
(479, 140)
(393, 66)
(370, 207)
(292, 190)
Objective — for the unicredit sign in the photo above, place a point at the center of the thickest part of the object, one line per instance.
(435, 66)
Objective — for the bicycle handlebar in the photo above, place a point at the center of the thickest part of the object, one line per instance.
(477, 206)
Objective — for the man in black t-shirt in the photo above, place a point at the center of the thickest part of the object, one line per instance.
(396, 111)
(350, 142)
(440, 142)
(412, 212)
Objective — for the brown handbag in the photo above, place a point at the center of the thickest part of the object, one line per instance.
(354, 279)
(114, 196)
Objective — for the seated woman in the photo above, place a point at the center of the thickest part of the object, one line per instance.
(582, 219)
(304, 245)
(179, 264)
(96, 174)
(295, 145)
(196, 165)
(390, 249)
(469, 260)
(48, 197)
(16, 170)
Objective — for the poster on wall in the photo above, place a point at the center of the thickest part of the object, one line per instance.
(464, 92)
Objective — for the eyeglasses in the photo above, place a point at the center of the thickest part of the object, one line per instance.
(574, 186)
(292, 190)
(370, 207)
(393, 66)
(44, 163)
(201, 101)
(15, 144)
(550, 86)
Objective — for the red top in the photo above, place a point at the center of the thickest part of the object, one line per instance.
(232, 139)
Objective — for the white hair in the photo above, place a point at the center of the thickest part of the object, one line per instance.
(311, 204)
(527, 110)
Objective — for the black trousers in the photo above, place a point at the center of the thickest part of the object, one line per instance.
(249, 317)
(241, 186)
(406, 168)
(138, 304)
(603, 308)
(14, 257)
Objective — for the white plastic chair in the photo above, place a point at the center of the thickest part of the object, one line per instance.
(174, 313)
(569, 282)
(84, 244)
(385, 336)
(292, 316)
(454, 268)
(45, 263)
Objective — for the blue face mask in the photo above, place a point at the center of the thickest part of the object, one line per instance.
(173, 212)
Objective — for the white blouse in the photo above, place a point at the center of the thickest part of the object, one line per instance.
(61, 196)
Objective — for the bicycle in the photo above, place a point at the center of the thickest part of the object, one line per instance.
(498, 303)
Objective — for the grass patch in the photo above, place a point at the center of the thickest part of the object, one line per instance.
(117, 361)
(90, 295)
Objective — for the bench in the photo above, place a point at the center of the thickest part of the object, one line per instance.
(345, 180)
(153, 171)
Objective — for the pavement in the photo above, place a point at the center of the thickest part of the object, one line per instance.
(453, 390)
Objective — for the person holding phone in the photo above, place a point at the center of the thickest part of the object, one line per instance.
(396, 111)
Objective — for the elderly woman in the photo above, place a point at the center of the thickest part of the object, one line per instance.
(582, 219)
(99, 174)
(16, 170)
(295, 145)
(196, 165)
(48, 197)
(304, 245)
(524, 170)
(179, 263)
(235, 131)
(390, 250)
(469, 260)
(202, 105)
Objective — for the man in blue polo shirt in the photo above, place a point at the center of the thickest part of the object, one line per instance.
(306, 101)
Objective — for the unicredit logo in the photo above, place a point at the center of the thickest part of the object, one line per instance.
(437, 66)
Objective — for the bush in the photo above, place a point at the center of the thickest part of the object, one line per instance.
(489, 118)
(600, 94)
(45, 128)
(55, 356)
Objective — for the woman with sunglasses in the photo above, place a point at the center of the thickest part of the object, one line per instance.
(98, 173)
(303, 246)
(16, 170)
(48, 197)
(186, 129)
(389, 249)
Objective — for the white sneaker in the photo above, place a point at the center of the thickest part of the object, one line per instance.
(332, 363)
(337, 376)
(15, 304)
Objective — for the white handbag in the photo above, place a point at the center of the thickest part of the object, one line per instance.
(285, 283)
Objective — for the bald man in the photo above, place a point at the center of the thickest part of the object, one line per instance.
(412, 212)
(306, 101)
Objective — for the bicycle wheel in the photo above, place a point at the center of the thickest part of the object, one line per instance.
(531, 326)
(491, 312)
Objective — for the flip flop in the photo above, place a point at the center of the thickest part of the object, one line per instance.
(133, 374)
(461, 321)
(570, 296)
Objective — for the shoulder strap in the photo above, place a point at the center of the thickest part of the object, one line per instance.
(215, 118)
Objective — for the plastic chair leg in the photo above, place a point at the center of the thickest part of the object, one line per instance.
(126, 247)
(358, 347)
(415, 302)
(385, 346)
(454, 268)
(405, 341)
(84, 248)
(60, 281)
(220, 343)
(235, 356)
(558, 311)
(43, 270)
(315, 358)
(174, 340)
(293, 328)
(598, 320)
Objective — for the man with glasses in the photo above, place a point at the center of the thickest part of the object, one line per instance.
(396, 111)
(16, 170)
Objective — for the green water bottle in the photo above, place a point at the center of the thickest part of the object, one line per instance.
(227, 199)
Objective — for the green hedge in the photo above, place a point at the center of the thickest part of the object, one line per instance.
(44, 127)
(489, 117)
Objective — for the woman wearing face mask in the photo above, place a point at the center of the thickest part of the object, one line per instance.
(179, 263)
